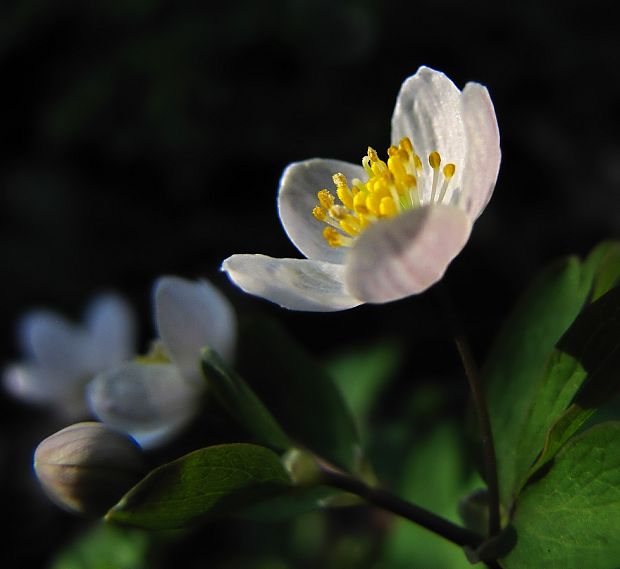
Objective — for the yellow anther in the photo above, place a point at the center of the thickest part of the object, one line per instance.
(418, 163)
(387, 207)
(346, 197)
(333, 238)
(338, 212)
(448, 170)
(319, 213)
(326, 199)
(373, 202)
(339, 180)
(434, 160)
(350, 225)
(396, 167)
(358, 186)
(392, 151)
(411, 181)
(359, 203)
(343, 190)
(379, 168)
(372, 154)
(405, 144)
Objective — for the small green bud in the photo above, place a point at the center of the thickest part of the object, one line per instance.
(302, 467)
(87, 467)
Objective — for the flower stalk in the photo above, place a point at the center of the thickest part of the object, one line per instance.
(388, 501)
(486, 433)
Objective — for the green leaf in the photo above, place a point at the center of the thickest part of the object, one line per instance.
(361, 374)
(436, 477)
(517, 390)
(606, 260)
(212, 481)
(241, 402)
(104, 547)
(569, 518)
(299, 393)
(592, 347)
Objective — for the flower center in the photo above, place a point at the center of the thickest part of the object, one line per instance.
(392, 187)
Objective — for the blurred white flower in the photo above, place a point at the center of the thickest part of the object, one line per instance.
(61, 357)
(155, 396)
(393, 226)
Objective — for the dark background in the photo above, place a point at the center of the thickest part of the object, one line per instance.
(146, 137)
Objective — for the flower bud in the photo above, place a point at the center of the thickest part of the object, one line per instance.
(87, 467)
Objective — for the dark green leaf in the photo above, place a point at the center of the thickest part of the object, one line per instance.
(105, 547)
(436, 477)
(212, 481)
(241, 402)
(592, 347)
(297, 501)
(569, 518)
(515, 370)
(605, 259)
(299, 393)
(361, 374)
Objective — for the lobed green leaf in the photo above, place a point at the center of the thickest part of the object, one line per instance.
(531, 383)
(569, 517)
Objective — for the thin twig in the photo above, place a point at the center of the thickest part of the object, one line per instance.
(387, 501)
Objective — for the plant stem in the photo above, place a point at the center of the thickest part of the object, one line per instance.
(486, 433)
(482, 412)
(387, 501)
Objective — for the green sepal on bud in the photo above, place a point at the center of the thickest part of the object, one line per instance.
(87, 467)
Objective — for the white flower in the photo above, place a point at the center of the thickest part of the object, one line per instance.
(394, 226)
(154, 397)
(62, 357)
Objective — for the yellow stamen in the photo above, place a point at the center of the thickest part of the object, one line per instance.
(387, 207)
(394, 185)
(448, 170)
(342, 190)
(435, 161)
(448, 173)
(319, 213)
(405, 144)
(359, 203)
(336, 239)
(338, 212)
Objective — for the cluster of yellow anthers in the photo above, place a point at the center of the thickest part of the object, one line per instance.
(391, 187)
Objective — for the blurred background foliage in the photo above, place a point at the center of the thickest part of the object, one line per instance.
(146, 137)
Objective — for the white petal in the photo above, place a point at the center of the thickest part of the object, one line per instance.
(28, 383)
(151, 402)
(37, 385)
(428, 111)
(407, 254)
(297, 197)
(111, 323)
(60, 348)
(483, 152)
(191, 315)
(297, 284)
